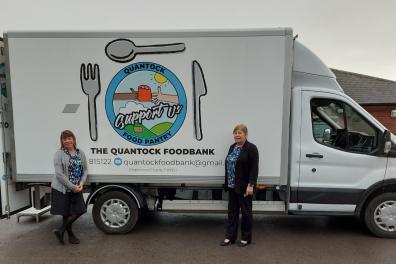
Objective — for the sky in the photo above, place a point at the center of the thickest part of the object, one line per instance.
(352, 35)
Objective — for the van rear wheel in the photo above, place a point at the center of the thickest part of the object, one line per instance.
(380, 215)
(115, 212)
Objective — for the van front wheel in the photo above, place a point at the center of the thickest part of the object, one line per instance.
(380, 215)
(115, 212)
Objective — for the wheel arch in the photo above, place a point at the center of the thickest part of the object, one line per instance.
(373, 191)
(130, 190)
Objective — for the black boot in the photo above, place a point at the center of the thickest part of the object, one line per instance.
(59, 235)
(72, 238)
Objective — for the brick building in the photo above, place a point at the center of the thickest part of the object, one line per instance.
(376, 95)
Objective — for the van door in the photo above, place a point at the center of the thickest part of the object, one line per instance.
(12, 201)
(339, 153)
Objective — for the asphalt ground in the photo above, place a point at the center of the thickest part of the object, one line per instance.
(194, 238)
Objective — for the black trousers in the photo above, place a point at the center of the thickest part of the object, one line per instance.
(237, 202)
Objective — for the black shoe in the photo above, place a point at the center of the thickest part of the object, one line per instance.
(73, 239)
(227, 243)
(59, 235)
(244, 243)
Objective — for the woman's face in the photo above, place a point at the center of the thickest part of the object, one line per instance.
(239, 137)
(68, 143)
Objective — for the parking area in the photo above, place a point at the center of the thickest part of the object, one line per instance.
(194, 238)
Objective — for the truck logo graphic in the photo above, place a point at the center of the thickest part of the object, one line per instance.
(146, 103)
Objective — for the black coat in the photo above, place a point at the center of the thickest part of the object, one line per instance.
(246, 167)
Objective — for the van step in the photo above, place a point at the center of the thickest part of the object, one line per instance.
(33, 212)
(219, 206)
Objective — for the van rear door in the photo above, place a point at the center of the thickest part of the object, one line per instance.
(12, 201)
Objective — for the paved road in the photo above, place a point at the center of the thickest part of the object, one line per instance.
(194, 238)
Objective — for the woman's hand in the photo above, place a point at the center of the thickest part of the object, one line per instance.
(78, 188)
(249, 190)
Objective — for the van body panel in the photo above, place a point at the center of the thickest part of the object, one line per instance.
(238, 80)
(12, 201)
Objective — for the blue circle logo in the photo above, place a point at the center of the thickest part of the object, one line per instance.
(117, 161)
(146, 103)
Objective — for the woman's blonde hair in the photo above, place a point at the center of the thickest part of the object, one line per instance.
(241, 127)
(66, 134)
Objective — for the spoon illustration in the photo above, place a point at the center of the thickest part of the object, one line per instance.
(124, 50)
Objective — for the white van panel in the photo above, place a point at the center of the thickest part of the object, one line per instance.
(11, 201)
(248, 78)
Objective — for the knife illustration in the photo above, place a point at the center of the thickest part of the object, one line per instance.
(199, 90)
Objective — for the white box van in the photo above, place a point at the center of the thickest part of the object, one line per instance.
(154, 113)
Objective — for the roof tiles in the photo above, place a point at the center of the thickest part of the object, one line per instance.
(366, 89)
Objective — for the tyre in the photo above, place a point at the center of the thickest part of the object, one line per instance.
(115, 212)
(380, 215)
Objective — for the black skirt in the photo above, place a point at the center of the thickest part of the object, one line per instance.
(69, 203)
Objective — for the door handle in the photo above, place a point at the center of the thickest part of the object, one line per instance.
(314, 155)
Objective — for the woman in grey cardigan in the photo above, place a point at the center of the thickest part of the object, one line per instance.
(67, 185)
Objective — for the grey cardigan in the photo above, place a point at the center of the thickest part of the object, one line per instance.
(60, 181)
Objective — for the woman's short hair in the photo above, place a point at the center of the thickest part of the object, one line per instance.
(66, 134)
(241, 127)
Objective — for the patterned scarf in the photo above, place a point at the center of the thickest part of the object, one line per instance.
(75, 168)
(231, 160)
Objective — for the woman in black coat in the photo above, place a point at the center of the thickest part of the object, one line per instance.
(241, 173)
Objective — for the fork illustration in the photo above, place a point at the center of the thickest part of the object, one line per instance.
(90, 84)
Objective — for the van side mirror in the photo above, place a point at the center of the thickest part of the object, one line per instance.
(387, 143)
